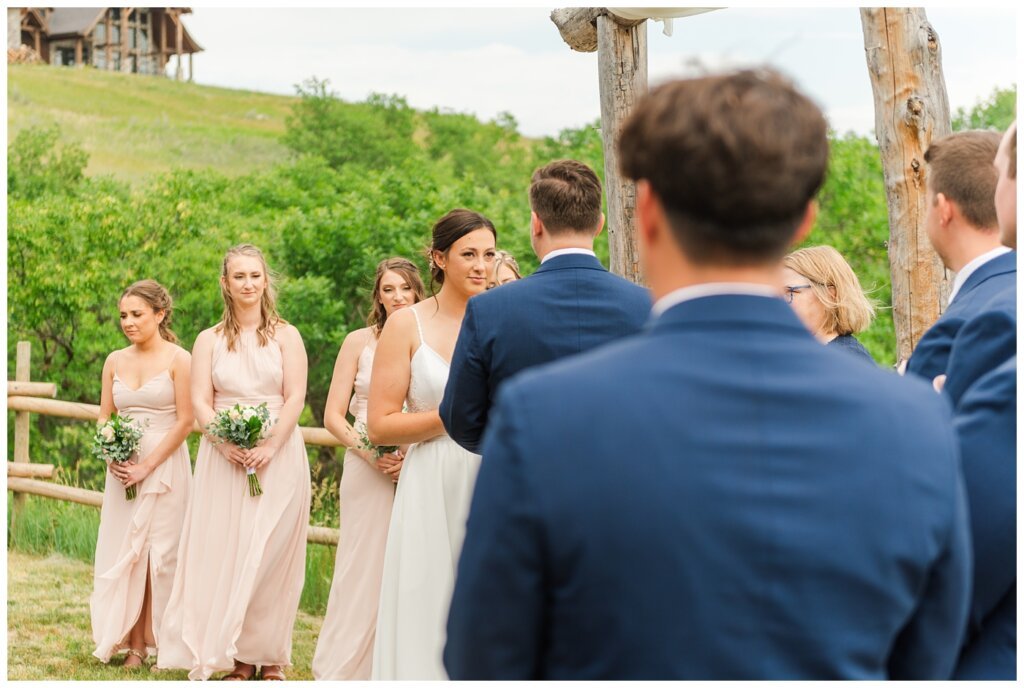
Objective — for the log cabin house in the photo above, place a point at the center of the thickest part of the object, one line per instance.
(138, 40)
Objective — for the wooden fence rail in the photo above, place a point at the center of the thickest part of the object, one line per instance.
(25, 397)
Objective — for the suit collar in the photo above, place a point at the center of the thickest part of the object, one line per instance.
(736, 309)
(1000, 265)
(569, 261)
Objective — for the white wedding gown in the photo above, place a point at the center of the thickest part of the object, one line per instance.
(428, 524)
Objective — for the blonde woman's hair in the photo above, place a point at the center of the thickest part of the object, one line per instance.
(159, 299)
(505, 258)
(269, 319)
(848, 309)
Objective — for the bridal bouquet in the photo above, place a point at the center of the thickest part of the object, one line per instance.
(244, 426)
(118, 440)
(378, 450)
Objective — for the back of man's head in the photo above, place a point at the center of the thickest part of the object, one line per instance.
(566, 195)
(734, 159)
(960, 168)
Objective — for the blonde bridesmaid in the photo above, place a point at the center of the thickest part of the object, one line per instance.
(137, 546)
(242, 558)
(344, 650)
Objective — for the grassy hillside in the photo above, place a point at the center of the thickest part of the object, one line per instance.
(134, 126)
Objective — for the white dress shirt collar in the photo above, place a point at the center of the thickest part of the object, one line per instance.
(674, 298)
(565, 252)
(969, 269)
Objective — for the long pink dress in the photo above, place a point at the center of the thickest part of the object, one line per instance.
(142, 534)
(344, 650)
(242, 559)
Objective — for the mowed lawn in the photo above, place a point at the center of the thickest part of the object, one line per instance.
(49, 636)
(134, 126)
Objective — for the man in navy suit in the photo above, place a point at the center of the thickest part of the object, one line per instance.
(963, 228)
(570, 304)
(719, 497)
(986, 422)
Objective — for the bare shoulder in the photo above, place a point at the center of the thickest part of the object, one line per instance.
(357, 340)
(288, 335)
(205, 337)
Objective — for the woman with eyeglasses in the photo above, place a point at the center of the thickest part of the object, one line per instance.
(827, 296)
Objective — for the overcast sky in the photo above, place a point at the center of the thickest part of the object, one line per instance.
(485, 61)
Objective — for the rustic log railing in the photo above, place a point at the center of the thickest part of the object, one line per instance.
(25, 397)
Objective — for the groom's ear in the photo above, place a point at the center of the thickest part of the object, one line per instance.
(600, 225)
(536, 226)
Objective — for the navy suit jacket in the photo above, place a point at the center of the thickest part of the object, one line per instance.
(570, 304)
(986, 422)
(985, 342)
(720, 497)
(931, 355)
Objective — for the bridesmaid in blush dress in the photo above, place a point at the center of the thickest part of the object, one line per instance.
(137, 545)
(428, 521)
(242, 557)
(344, 650)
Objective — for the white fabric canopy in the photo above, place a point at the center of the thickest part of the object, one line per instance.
(662, 14)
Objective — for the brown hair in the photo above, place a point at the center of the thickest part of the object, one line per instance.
(409, 272)
(734, 159)
(847, 308)
(960, 168)
(453, 226)
(566, 195)
(269, 319)
(505, 258)
(159, 299)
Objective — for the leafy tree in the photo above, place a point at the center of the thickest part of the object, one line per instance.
(995, 112)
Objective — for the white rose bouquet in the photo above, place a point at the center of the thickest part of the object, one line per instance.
(118, 440)
(244, 426)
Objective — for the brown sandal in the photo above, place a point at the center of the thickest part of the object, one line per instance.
(238, 675)
(271, 672)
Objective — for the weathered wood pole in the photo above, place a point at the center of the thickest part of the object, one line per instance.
(622, 70)
(108, 48)
(621, 47)
(163, 43)
(125, 65)
(22, 373)
(911, 109)
(78, 52)
(177, 45)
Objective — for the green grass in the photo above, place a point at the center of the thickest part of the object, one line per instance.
(48, 526)
(48, 628)
(135, 126)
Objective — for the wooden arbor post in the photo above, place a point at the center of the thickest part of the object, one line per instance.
(621, 47)
(911, 109)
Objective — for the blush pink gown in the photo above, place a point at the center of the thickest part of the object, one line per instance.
(344, 650)
(242, 559)
(139, 535)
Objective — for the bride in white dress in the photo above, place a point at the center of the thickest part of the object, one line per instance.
(428, 521)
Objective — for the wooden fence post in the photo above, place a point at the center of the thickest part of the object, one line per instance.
(22, 373)
(911, 110)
